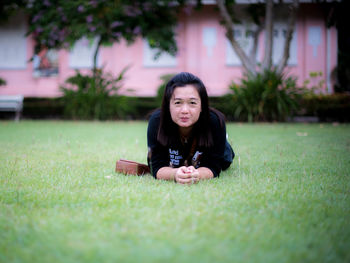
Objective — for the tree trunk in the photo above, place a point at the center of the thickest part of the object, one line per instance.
(290, 29)
(248, 65)
(254, 50)
(99, 43)
(267, 62)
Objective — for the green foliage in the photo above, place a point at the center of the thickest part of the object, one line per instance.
(224, 104)
(165, 79)
(94, 96)
(327, 107)
(9, 8)
(57, 24)
(266, 97)
(42, 108)
(315, 83)
(2, 82)
(256, 12)
(285, 199)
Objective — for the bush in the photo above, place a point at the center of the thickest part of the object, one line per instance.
(160, 91)
(267, 97)
(224, 104)
(42, 108)
(94, 96)
(2, 82)
(327, 107)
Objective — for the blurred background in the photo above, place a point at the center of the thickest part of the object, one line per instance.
(106, 60)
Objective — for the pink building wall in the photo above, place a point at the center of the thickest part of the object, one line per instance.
(193, 56)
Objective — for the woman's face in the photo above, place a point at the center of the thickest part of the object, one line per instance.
(185, 107)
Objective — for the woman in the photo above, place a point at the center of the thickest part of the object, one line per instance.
(187, 139)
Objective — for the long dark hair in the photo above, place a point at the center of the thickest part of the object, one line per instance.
(168, 131)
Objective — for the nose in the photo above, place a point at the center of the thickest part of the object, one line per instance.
(184, 108)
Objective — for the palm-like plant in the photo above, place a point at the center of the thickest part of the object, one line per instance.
(269, 96)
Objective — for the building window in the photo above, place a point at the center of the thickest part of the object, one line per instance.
(164, 60)
(244, 37)
(82, 54)
(279, 36)
(209, 39)
(45, 63)
(13, 44)
(314, 38)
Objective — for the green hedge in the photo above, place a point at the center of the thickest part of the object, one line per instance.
(333, 107)
(326, 107)
(224, 104)
(330, 107)
(138, 108)
(43, 108)
(141, 107)
(47, 108)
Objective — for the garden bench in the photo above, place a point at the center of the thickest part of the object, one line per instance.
(12, 103)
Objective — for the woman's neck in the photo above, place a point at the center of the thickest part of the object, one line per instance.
(185, 132)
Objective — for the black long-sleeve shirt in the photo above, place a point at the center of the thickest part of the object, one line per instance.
(175, 155)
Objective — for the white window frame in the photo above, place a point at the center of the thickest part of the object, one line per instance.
(279, 34)
(165, 60)
(246, 42)
(82, 54)
(13, 44)
(209, 39)
(244, 39)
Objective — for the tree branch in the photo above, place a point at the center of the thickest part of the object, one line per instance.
(290, 29)
(229, 25)
(254, 49)
(97, 49)
(267, 62)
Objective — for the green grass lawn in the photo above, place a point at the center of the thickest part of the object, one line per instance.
(285, 199)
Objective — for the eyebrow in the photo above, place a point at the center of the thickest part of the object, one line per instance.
(183, 99)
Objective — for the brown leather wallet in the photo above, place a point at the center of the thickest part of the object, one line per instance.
(131, 167)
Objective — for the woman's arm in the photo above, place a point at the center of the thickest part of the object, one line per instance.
(184, 175)
(205, 173)
(166, 173)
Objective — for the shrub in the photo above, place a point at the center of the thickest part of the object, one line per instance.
(2, 82)
(165, 79)
(94, 96)
(42, 108)
(327, 107)
(267, 97)
(315, 83)
(224, 104)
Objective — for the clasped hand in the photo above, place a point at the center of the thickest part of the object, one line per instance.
(187, 175)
